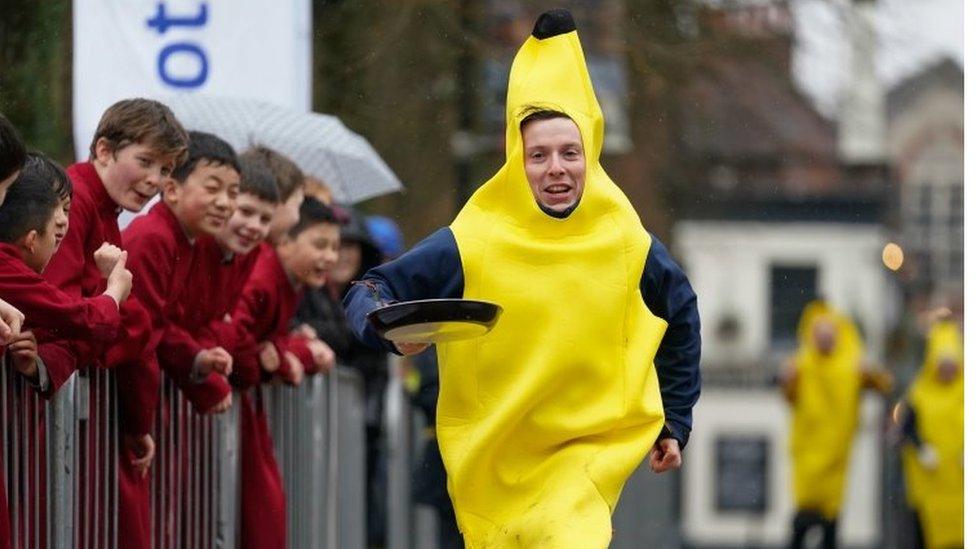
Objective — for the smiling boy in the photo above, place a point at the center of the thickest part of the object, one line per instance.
(197, 199)
(137, 144)
(221, 267)
(302, 259)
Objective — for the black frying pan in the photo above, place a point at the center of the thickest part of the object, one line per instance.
(434, 320)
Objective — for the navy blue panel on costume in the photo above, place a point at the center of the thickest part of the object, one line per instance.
(668, 295)
(430, 270)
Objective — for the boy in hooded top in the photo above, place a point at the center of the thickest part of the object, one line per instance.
(32, 225)
(136, 145)
(542, 420)
(301, 259)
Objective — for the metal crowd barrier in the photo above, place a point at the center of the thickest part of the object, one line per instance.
(319, 443)
(60, 464)
(60, 461)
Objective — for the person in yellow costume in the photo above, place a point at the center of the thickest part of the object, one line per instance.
(823, 383)
(594, 362)
(931, 418)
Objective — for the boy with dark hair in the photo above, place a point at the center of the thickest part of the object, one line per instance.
(197, 200)
(221, 267)
(137, 144)
(33, 220)
(302, 259)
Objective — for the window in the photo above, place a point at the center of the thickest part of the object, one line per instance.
(791, 288)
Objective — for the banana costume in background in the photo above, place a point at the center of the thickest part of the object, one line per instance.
(825, 412)
(937, 494)
(541, 421)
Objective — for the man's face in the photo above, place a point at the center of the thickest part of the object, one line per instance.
(249, 225)
(947, 369)
(133, 174)
(555, 164)
(205, 201)
(824, 336)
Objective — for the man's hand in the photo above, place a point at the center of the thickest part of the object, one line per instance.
(143, 448)
(665, 456)
(106, 256)
(268, 357)
(407, 349)
(119, 280)
(215, 359)
(222, 406)
(292, 371)
(928, 457)
(322, 355)
(10, 322)
(23, 353)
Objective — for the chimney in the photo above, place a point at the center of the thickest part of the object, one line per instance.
(860, 121)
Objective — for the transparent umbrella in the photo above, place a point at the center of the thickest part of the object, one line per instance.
(320, 144)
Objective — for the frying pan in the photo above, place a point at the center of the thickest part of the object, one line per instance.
(434, 320)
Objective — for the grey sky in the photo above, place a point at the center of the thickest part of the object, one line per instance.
(911, 35)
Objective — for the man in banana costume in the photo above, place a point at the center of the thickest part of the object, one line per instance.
(823, 384)
(932, 421)
(594, 361)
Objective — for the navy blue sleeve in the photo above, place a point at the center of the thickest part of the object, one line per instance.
(668, 295)
(430, 270)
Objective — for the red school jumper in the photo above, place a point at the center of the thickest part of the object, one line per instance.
(93, 221)
(51, 314)
(265, 310)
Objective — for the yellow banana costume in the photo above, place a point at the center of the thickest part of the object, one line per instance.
(541, 421)
(937, 494)
(825, 411)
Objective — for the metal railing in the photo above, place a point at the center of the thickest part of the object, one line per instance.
(60, 464)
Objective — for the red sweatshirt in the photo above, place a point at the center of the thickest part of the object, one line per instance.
(215, 282)
(268, 304)
(160, 258)
(55, 315)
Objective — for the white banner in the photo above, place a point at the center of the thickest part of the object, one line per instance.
(257, 49)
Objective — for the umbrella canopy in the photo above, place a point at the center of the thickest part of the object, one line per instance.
(320, 144)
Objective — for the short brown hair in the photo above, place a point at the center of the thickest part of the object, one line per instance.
(288, 175)
(143, 121)
(317, 188)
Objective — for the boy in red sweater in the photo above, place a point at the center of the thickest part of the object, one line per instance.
(221, 267)
(33, 220)
(198, 198)
(302, 258)
(137, 144)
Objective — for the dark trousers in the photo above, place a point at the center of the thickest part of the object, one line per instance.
(805, 521)
(375, 488)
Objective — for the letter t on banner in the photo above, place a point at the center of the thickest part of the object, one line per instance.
(250, 49)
